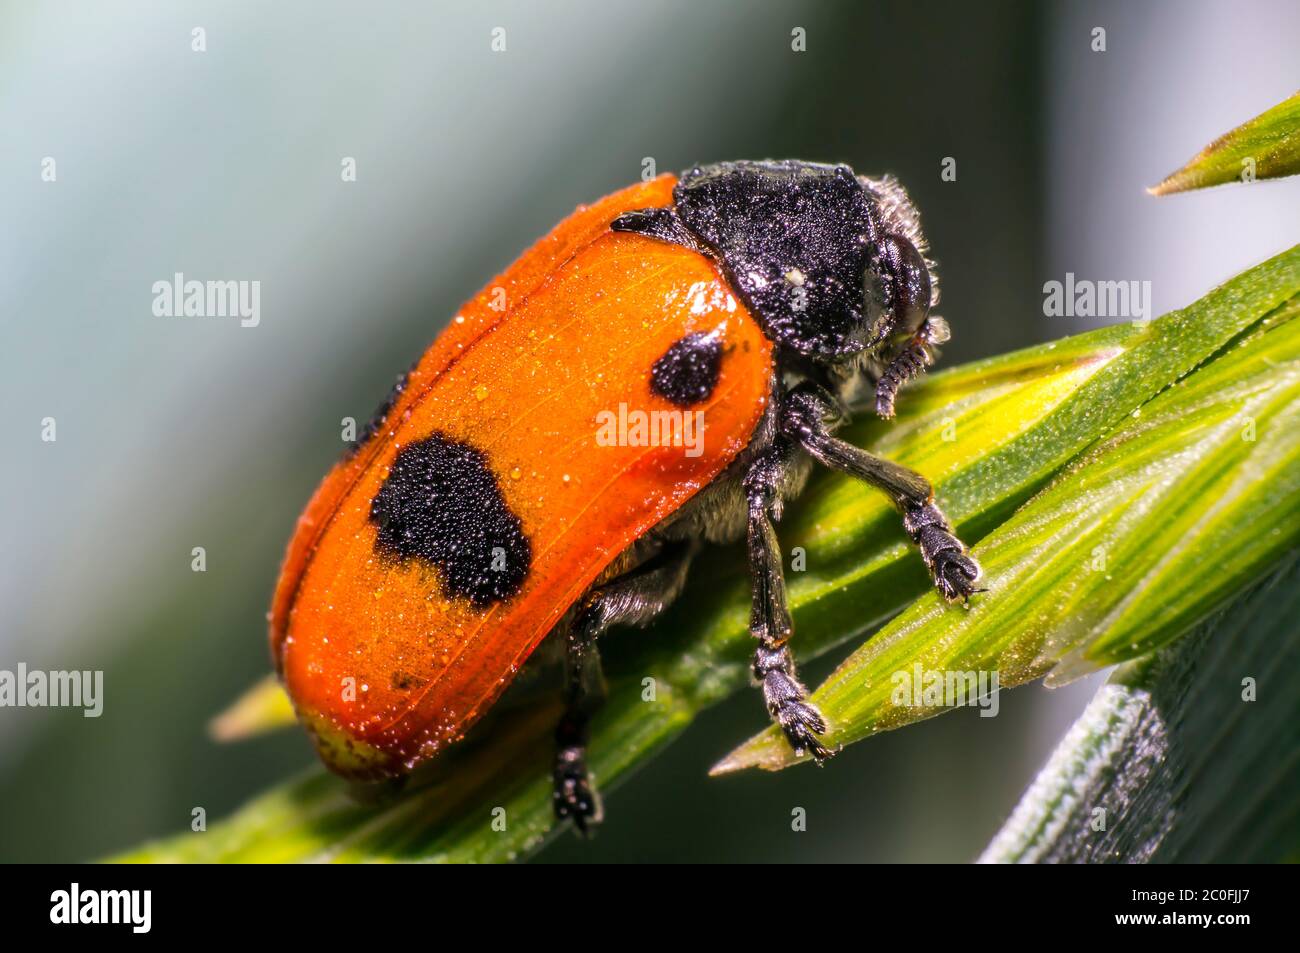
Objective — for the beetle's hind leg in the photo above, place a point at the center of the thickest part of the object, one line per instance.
(634, 599)
(954, 572)
(769, 620)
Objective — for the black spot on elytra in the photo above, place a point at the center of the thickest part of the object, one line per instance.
(376, 421)
(440, 504)
(688, 371)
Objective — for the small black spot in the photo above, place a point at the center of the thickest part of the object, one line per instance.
(688, 371)
(376, 421)
(441, 504)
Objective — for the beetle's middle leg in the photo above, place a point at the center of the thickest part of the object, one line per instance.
(806, 412)
(634, 599)
(769, 619)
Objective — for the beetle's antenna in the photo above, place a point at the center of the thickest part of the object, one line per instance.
(909, 363)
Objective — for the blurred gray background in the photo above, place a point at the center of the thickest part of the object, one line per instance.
(175, 433)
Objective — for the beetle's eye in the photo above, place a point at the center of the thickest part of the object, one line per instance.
(911, 291)
(877, 314)
(898, 282)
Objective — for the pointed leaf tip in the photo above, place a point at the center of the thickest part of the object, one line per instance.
(263, 707)
(1266, 147)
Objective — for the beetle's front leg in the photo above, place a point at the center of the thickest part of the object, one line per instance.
(807, 410)
(769, 620)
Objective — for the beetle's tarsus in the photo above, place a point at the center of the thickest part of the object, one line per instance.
(787, 702)
(953, 570)
(573, 797)
(802, 723)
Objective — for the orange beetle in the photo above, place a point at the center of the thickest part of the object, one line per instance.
(659, 371)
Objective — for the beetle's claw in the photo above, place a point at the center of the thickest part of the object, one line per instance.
(802, 723)
(955, 574)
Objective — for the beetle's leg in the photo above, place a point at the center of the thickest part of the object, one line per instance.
(769, 620)
(584, 692)
(954, 572)
(634, 599)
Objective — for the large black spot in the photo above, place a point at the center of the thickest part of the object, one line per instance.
(688, 371)
(441, 504)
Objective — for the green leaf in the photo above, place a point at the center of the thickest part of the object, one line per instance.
(1013, 421)
(1187, 503)
(1176, 759)
(264, 707)
(1269, 145)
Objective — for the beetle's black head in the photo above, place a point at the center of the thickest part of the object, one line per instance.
(828, 264)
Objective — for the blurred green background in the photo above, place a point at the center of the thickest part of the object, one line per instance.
(225, 164)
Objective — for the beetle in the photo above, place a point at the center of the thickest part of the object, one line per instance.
(478, 512)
